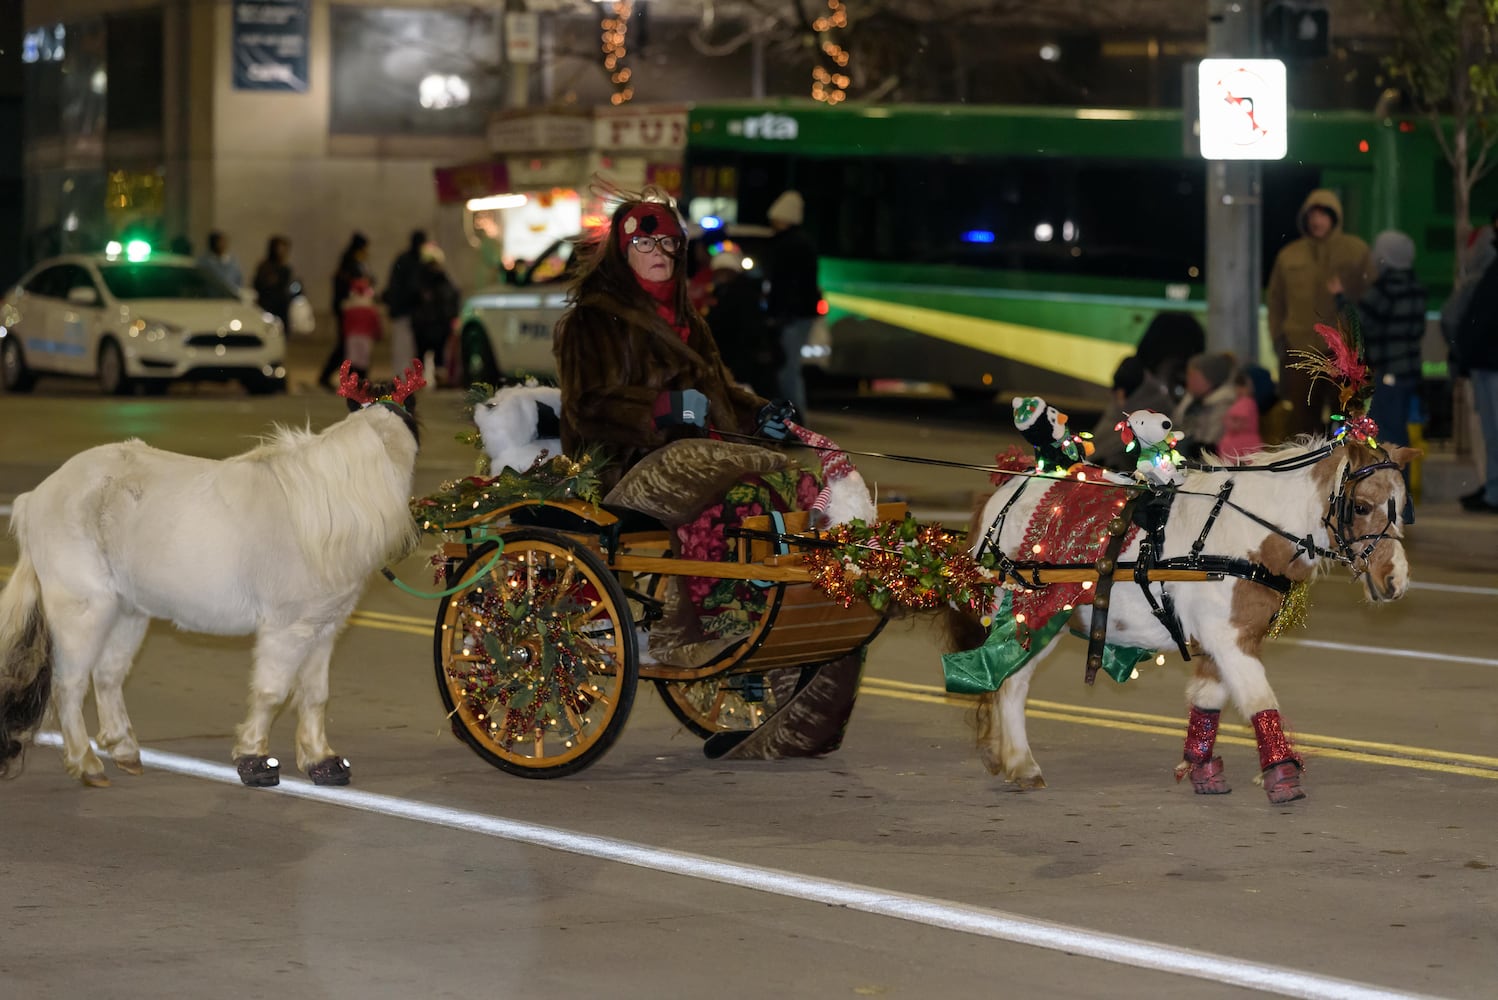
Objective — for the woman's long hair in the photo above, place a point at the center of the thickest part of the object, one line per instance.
(604, 269)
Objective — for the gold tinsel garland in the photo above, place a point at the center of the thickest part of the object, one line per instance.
(918, 566)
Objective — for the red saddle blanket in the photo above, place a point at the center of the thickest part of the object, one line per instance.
(1069, 525)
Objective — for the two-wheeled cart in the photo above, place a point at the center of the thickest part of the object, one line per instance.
(537, 647)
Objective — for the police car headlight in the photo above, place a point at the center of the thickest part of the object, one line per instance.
(151, 331)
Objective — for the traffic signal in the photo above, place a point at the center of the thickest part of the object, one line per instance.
(1297, 31)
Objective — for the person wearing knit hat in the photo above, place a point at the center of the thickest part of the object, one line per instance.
(1391, 317)
(794, 292)
(789, 209)
(1210, 392)
(637, 365)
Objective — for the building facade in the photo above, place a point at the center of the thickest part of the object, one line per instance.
(313, 119)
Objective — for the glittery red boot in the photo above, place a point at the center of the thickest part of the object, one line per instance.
(1277, 759)
(1204, 769)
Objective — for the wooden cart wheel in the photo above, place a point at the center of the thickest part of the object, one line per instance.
(733, 702)
(536, 658)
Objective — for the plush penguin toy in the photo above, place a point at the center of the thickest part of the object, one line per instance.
(1044, 427)
(519, 425)
(1158, 464)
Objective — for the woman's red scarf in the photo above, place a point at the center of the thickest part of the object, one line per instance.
(664, 295)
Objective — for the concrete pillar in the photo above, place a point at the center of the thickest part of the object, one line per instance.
(1234, 282)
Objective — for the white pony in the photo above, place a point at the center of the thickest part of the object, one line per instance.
(1344, 497)
(519, 424)
(278, 542)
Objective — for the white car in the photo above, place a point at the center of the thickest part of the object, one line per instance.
(131, 318)
(506, 330)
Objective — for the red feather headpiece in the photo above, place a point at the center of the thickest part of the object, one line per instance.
(356, 387)
(1343, 367)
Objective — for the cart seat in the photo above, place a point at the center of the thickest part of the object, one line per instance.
(560, 519)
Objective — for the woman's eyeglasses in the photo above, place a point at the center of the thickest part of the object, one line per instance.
(648, 244)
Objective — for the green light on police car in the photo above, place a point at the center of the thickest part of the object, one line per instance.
(137, 250)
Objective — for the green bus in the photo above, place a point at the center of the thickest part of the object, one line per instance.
(1026, 249)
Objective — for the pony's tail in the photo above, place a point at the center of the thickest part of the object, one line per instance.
(25, 661)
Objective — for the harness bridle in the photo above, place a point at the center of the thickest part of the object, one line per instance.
(1150, 510)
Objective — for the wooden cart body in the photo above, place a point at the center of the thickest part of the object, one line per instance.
(587, 550)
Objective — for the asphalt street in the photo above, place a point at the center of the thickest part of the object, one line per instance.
(895, 867)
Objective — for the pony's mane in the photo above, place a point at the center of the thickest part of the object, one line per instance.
(1301, 445)
(346, 488)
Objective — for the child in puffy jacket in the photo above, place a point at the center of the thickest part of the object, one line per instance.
(1210, 392)
(361, 325)
(1240, 424)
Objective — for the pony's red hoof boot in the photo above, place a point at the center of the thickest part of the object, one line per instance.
(333, 771)
(1207, 779)
(1282, 782)
(259, 771)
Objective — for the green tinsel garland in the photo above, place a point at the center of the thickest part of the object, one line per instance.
(560, 478)
(919, 566)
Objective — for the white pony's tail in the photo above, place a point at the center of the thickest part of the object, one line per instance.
(25, 656)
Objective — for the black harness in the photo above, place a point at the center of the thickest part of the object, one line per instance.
(1150, 509)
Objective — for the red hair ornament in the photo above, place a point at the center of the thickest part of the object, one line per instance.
(648, 218)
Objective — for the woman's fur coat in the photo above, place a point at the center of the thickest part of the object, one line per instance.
(614, 359)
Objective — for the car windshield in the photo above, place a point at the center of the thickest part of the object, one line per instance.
(164, 281)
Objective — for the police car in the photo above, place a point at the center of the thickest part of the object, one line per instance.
(506, 330)
(131, 318)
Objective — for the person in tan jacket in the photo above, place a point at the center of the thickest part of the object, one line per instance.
(1300, 296)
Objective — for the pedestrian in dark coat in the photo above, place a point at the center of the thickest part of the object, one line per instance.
(275, 285)
(434, 310)
(400, 297)
(795, 294)
(637, 366)
(750, 345)
(352, 267)
(1475, 355)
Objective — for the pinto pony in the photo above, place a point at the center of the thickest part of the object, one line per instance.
(278, 542)
(1317, 502)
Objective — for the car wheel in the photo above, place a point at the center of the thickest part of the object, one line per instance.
(112, 378)
(479, 364)
(14, 374)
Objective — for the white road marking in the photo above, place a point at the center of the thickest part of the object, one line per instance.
(882, 902)
(1408, 654)
(1453, 588)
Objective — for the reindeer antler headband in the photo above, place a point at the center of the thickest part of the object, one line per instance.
(356, 387)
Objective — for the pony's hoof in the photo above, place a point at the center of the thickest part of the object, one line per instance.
(94, 779)
(333, 771)
(1207, 779)
(258, 771)
(1029, 782)
(1282, 782)
(130, 765)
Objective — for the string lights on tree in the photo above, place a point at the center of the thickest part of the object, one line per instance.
(829, 82)
(615, 28)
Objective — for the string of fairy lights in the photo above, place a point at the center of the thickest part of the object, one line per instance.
(615, 28)
(830, 86)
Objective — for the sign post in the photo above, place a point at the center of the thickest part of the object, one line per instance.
(1243, 120)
